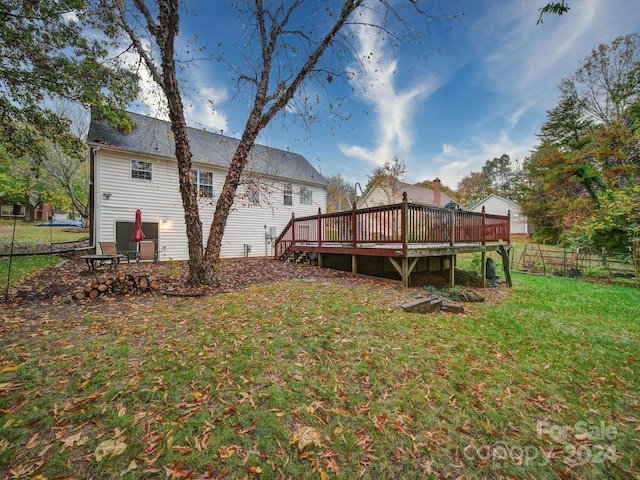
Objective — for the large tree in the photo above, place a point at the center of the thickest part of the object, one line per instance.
(289, 52)
(589, 140)
(340, 195)
(45, 55)
(389, 177)
(497, 176)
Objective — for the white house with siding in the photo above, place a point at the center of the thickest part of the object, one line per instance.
(138, 170)
(388, 192)
(498, 205)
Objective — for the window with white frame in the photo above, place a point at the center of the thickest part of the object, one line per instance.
(253, 193)
(7, 211)
(141, 170)
(306, 196)
(203, 181)
(288, 194)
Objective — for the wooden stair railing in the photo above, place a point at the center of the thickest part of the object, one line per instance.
(282, 247)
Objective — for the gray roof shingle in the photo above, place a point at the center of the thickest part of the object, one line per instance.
(154, 137)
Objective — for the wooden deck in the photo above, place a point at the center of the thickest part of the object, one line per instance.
(403, 233)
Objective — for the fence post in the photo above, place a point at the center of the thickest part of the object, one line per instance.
(604, 257)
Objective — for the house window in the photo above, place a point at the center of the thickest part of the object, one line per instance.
(7, 211)
(141, 170)
(253, 193)
(288, 194)
(306, 196)
(204, 183)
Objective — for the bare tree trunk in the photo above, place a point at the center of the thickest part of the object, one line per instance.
(227, 196)
(200, 271)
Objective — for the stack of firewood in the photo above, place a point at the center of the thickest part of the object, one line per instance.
(121, 284)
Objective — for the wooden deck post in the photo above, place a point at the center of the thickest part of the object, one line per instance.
(452, 271)
(508, 239)
(319, 227)
(354, 226)
(404, 224)
(483, 267)
(405, 272)
(484, 232)
(452, 224)
(293, 233)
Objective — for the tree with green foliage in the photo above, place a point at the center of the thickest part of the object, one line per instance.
(557, 8)
(45, 54)
(497, 176)
(589, 141)
(619, 214)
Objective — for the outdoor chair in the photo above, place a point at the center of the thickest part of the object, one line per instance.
(109, 248)
(147, 251)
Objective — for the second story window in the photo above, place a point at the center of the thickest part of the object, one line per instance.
(306, 196)
(253, 193)
(204, 183)
(288, 194)
(141, 170)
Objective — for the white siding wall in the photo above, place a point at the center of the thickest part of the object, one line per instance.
(160, 201)
(497, 206)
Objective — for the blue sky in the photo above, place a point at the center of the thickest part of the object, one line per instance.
(470, 91)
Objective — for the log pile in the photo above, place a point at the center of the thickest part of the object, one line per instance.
(120, 284)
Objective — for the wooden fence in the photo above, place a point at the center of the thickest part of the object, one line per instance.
(570, 261)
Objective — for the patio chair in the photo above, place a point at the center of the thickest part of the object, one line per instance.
(109, 248)
(147, 251)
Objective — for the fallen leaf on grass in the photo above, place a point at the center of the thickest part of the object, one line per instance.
(132, 466)
(306, 436)
(76, 439)
(183, 449)
(109, 448)
(227, 451)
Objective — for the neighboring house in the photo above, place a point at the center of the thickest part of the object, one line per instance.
(497, 205)
(25, 212)
(388, 192)
(8, 211)
(138, 170)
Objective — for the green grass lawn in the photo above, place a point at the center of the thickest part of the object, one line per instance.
(24, 266)
(28, 236)
(324, 380)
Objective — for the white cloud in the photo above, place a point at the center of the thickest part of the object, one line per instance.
(199, 99)
(455, 161)
(202, 113)
(394, 107)
(521, 64)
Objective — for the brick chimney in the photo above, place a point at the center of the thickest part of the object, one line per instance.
(437, 193)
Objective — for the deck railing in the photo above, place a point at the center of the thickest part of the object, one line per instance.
(402, 223)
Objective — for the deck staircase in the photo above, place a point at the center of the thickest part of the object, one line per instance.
(299, 257)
